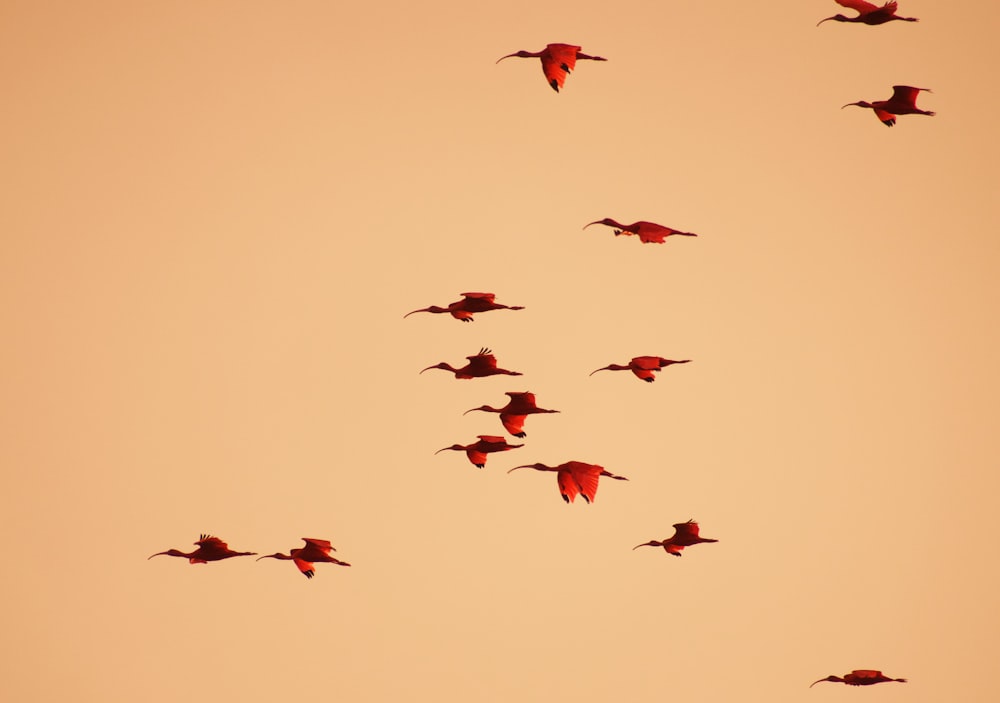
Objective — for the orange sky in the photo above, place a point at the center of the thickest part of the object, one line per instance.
(216, 215)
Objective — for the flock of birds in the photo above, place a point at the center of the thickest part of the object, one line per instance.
(576, 477)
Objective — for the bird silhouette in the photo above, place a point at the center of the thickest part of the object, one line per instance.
(648, 232)
(480, 365)
(902, 102)
(477, 451)
(209, 549)
(469, 304)
(515, 412)
(868, 13)
(642, 366)
(575, 478)
(316, 550)
(685, 535)
(557, 61)
(859, 677)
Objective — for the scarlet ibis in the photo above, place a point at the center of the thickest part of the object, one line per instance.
(470, 303)
(649, 232)
(642, 366)
(514, 413)
(557, 61)
(902, 102)
(480, 365)
(575, 477)
(869, 13)
(859, 677)
(209, 549)
(685, 534)
(477, 451)
(304, 557)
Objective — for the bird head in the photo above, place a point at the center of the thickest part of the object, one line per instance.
(432, 308)
(443, 365)
(520, 54)
(537, 466)
(838, 18)
(484, 408)
(860, 103)
(652, 543)
(276, 555)
(454, 447)
(169, 553)
(831, 677)
(606, 221)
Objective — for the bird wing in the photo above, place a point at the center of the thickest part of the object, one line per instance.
(209, 542)
(860, 5)
(513, 423)
(886, 118)
(306, 567)
(568, 487)
(557, 61)
(322, 545)
(587, 477)
(652, 233)
(482, 362)
(520, 401)
(904, 94)
(478, 458)
(688, 529)
(480, 296)
(490, 439)
(866, 674)
(647, 363)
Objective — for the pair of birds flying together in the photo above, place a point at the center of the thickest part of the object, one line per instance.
(214, 549)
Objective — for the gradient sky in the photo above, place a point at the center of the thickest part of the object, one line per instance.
(216, 214)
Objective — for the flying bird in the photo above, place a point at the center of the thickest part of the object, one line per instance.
(469, 304)
(859, 677)
(685, 535)
(902, 102)
(557, 61)
(649, 232)
(869, 13)
(480, 365)
(477, 451)
(209, 549)
(575, 477)
(515, 412)
(304, 557)
(642, 366)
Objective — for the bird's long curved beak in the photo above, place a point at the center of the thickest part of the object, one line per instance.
(442, 450)
(266, 556)
(410, 313)
(504, 57)
(816, 682)
(469, 411)
(842, 107)
(822, 21)
(644, 544)
(525, 466)
(603, 368)
(428, 369)
(155, 555)
(596, 222)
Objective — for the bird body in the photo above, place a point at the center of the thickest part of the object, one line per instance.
(859, 677)
(642, 366)
(868, 13)
(477, 451)
(685, 535)
(209, 549)
(515, 412)
(558, 60)
(575, 478)
(469, 304)
(902, 102)
(480, 365)
(648, 232)
(316, 550)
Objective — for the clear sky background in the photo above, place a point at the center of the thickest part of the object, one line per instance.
(215, 216)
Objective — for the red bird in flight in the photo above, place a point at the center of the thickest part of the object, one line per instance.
(642, 366)
(859, 677)
(209, 549)
(869, 13)
(304, 557)
(557, 61)
(575, 477)
(685, 535)
(470, 303)
(477, 451)
(649, 232)
(515, 412)
(480, 365)
(902, 102)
